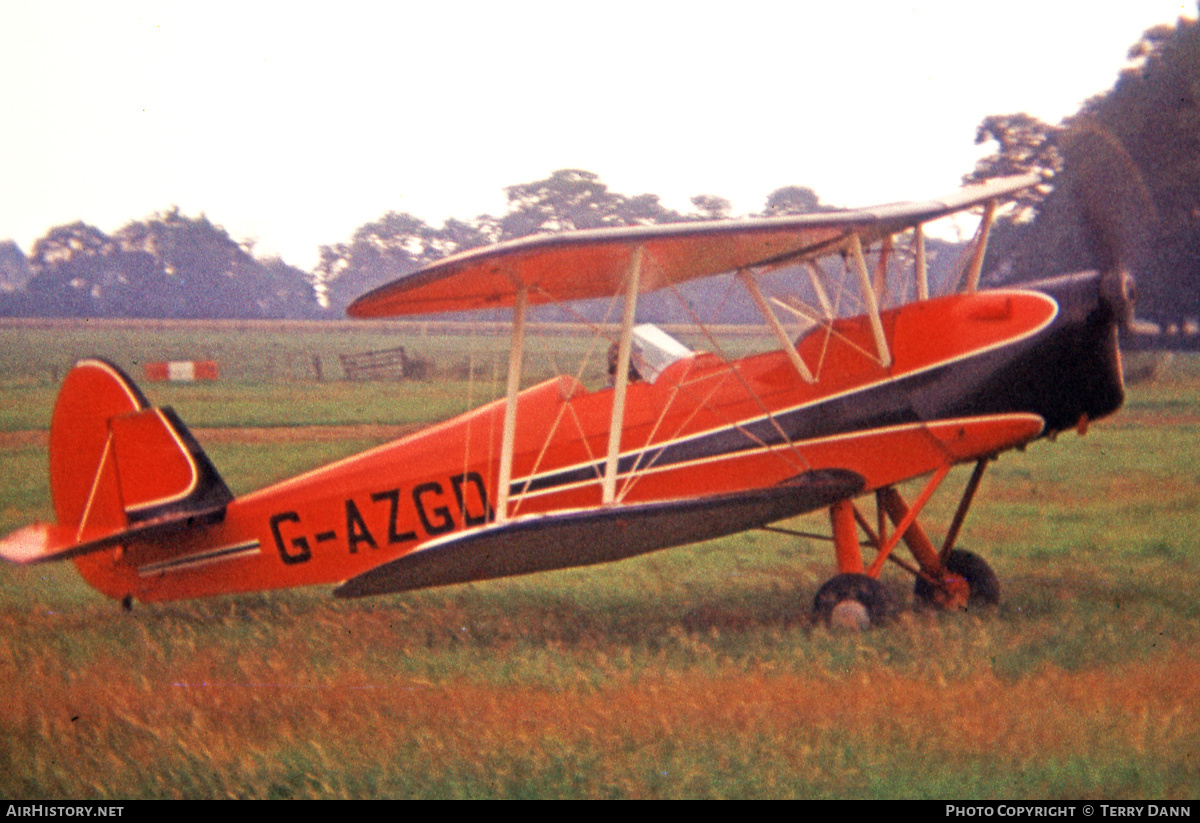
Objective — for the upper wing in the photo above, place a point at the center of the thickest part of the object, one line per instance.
(585, 264)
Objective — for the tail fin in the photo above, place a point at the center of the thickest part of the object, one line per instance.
(119, 468)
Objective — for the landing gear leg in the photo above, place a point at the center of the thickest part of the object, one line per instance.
(947, 578)
(950, 578)
(852, 599)
(943, 588)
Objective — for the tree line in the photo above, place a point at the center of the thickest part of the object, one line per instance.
(1121, 186)
(168, 265)
(175, 266)
(1121, 180)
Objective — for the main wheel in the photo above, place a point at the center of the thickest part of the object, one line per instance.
(981, 580)
(851, 600)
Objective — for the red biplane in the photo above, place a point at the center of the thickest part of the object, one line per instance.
(880, 386)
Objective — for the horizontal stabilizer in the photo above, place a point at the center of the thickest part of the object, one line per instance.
(583, 537)
(38, 542)
(44, 542)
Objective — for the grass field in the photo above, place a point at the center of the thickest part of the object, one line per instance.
(693, 672)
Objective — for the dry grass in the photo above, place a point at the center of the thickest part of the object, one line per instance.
(1084, 684)
(444, 697)
(694, 672)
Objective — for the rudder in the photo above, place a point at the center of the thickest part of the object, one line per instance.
(117, 463)
(121, 470)
(94, 392)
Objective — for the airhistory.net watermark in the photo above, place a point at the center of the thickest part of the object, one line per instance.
(55, 810)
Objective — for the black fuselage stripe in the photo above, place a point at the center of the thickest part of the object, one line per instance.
(811, 423)
(223, 553)
(883, 405)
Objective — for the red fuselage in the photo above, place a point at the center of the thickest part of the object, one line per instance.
(972, 375)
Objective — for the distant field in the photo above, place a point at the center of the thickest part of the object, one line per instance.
(693, 672)
(282, 351)
(256, 359)
(247, 351)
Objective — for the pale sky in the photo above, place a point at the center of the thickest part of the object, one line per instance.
(293, 124)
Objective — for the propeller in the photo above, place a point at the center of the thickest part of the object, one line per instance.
(1114, 205)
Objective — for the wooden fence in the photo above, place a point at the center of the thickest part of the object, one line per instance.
(388, 364)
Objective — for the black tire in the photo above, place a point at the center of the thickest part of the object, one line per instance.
(859, 588)
(981, 580)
